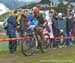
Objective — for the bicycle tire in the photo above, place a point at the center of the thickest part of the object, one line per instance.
(27, 46)
(45, 44)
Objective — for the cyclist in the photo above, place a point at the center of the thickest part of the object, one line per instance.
(38, 21)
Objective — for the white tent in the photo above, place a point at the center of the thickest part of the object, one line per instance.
(3, 9)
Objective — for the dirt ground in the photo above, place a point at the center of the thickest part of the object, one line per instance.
(6, 57)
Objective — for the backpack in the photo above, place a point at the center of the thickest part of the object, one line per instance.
(6, 24)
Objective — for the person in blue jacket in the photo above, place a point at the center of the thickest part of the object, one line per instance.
(11, 31)
(30, 17)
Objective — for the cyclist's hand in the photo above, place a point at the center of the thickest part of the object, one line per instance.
(45, 24)
(61, 30)
(29, 23)
(31, 26)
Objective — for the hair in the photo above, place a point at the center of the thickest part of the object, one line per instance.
(25, 11)
(15, 11)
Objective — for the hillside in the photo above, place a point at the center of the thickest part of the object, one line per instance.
(31, 5)
(4, 16)
(13, 4)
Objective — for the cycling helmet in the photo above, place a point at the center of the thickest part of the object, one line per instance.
(36, 10)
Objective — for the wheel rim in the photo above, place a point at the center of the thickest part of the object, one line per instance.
(45, 43)
(27, 47)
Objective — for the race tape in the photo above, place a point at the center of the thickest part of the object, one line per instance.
(72, 37)
(7, 39)
(23, 38)
(2, 33)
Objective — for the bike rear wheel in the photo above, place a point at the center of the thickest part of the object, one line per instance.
(45, 43)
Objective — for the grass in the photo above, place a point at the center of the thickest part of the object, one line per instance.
(3, 45)
(56, 56)
(63, 54)
(3, 36)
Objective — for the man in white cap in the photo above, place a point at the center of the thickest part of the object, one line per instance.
(61, 25)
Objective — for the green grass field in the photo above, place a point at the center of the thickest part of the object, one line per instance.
(3, 45)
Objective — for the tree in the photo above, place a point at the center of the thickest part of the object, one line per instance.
(45, 2)
(61, 8)
(61, 1)
(70, 0)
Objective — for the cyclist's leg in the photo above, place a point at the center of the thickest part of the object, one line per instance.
(40, 31)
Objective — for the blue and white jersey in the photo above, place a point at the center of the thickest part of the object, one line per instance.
(35, 22)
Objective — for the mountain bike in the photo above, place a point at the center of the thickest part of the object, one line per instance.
(28, 45)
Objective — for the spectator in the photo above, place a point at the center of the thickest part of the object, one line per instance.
(18, 30)
(48, 29)
(73, 28)
(55, 30)
(30, 16)
(60, 27)
(49, 21)
(68, 30)
(11, 31)
(24, 22)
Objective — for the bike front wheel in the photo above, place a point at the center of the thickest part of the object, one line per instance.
(27, 45)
